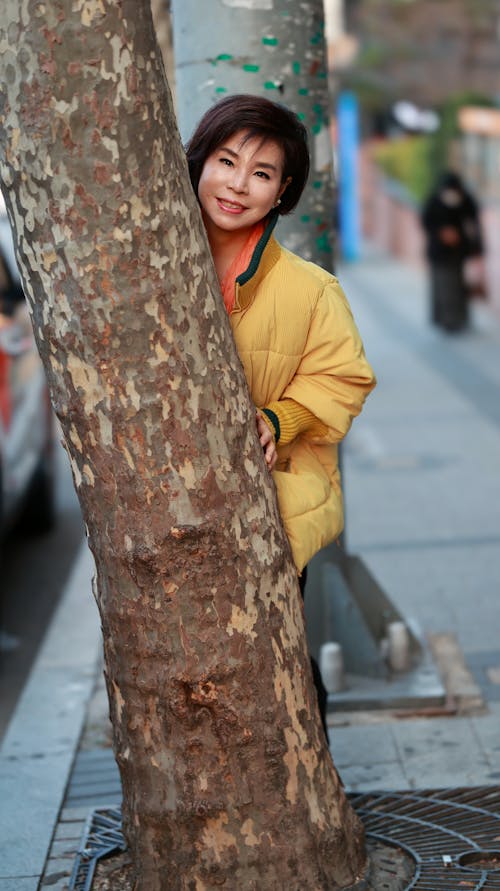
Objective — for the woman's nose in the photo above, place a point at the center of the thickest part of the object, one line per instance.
(239, 181)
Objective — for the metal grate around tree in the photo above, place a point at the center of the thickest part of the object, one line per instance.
(451, 837)
(102, 837)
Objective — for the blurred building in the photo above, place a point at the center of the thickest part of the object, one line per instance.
(425, 51)
(342, 45)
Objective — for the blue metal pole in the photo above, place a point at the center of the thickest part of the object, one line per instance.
(348, 141)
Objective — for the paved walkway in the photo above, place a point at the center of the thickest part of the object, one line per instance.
(422, 481)
(39, 746)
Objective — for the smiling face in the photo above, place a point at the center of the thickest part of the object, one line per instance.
(240, 183)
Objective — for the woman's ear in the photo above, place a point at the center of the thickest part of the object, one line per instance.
(283, 186)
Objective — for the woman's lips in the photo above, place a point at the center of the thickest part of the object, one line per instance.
(230, 206)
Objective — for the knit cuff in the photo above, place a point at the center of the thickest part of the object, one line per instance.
(289, 418)
(272, 417)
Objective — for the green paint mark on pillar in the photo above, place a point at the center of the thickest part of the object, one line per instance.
(303, 91)
(305, 218)
(251, 68)
(270, 41)
(296, 67)
(270, 85)
(323, 243)
(320, 121)
(317, 184)
(224, 57)
(221, 90)
(301, 116)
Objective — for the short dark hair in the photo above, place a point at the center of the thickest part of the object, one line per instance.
(259, 117)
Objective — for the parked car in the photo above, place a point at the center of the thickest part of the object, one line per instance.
(27, 478)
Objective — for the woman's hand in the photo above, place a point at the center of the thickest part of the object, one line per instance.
(449, 235)
(266, 440)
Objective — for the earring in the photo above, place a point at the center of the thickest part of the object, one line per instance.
(277, 202)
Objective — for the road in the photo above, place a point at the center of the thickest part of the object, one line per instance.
(33, 574)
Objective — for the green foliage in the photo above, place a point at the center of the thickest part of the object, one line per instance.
(406, 160)
(373, 55)
(416, 161)
(449, 129)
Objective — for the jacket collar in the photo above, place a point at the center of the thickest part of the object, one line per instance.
(264, 257)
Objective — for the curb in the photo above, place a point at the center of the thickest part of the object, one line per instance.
(42, 738)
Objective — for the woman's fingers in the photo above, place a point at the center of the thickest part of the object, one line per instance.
(266, 440)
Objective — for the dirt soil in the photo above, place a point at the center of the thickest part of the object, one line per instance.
(389, 869)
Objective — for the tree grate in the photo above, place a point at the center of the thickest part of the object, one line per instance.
(102, 836)
(451, 836)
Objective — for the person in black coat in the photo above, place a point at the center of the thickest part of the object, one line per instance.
(450, 218)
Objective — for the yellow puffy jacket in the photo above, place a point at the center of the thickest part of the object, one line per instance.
(297, 339)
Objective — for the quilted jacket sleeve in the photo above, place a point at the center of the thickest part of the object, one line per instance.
(334, 376)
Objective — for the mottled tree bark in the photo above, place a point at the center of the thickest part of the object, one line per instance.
(226, 778)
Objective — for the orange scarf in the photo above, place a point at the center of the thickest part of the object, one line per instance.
(240, 263)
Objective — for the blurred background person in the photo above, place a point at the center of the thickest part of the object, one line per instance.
(450, 219)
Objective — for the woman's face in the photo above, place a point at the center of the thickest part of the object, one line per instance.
(240, 183)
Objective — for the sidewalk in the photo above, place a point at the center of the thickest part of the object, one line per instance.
(39, 746)
(422, 484)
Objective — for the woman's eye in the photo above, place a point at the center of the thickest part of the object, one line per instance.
(226, 161)
(262, 174)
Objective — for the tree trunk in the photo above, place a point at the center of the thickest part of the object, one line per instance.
(226, 777)
(274, 49)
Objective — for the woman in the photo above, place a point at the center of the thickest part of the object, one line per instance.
(300, 349)
(450, 219)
